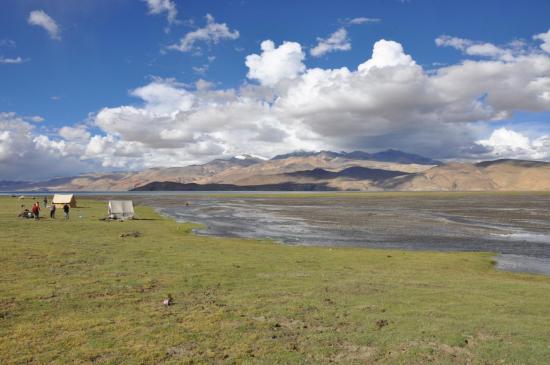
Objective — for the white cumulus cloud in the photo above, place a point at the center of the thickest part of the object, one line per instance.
(545, 38)
(77, 133)
(337, 41)
(385, 54)
(212, 33)
(25, 154)
(163, 96)
(157, 7)
(387, 101)
(41, 19)
(507, 143)
(276, 63)
(476, 48)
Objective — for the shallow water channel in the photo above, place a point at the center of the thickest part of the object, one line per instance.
(516, 227)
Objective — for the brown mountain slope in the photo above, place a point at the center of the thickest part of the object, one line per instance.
(519, 175)
(333, 170)
(269, 172)
(500, 175)
(247, 171)
(350, 178)
(128, 180)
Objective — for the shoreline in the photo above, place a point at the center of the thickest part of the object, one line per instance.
(508, 262)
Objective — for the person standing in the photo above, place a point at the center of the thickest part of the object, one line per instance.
(45, 201)
(52, 211)
(36, 210)
(66, 211)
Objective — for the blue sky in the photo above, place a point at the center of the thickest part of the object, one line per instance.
(105, 49)
(109, 47)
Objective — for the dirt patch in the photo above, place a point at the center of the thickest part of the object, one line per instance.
(134, 234)
(381, 323)
(352, 353)
(182, 351)
(436, 352)
(286, 323)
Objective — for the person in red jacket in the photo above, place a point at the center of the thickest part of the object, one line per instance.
(36, 210)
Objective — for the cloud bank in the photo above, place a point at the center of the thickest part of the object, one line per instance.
(25, 154)
(387, 101)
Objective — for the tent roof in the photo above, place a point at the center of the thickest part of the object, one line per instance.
(62, 198)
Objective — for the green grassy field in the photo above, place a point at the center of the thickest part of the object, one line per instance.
(77, 292)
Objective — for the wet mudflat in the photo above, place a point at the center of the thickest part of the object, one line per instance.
(516, 226)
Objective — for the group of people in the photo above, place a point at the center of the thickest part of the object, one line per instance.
(35, 210)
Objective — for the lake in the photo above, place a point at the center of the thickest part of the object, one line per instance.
(515, 226)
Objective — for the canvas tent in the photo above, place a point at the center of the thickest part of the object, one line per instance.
(61, 199)
(121, 209)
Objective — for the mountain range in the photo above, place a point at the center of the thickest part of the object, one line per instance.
(324, 170)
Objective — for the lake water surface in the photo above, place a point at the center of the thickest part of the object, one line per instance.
(515, 226)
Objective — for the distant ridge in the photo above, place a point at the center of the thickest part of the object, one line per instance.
(242, 160)
(314, 171)
(300, 153)
(354, 172)
(288, 186)
(403, 157)
(390, 155)
(520, 163)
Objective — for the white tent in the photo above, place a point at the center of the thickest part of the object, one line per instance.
(121, 209)
(61, 199)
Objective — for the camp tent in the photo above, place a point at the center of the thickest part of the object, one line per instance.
(59, 200)
(121, 209)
